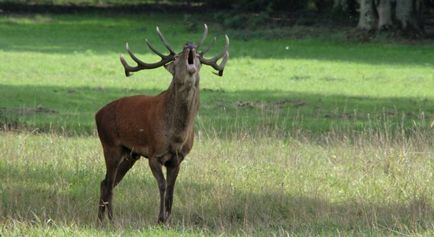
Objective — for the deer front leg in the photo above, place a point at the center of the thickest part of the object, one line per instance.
(172, 174)
(157, 171)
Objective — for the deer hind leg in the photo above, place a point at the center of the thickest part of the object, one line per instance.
(157, 171)
(113, 157)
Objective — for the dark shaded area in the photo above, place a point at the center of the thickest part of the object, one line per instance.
(76, 204)
(182, 7)
(177, 6)
(240, 14)
(221, 111)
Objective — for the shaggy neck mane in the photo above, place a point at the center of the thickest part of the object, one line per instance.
(182, 106)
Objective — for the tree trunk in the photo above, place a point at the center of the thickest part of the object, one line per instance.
(409, 14)
(368, 17)
(405, 15)
(384, 9)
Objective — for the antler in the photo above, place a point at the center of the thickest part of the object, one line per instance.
(142, 65)
(205, 34)
(224, 55)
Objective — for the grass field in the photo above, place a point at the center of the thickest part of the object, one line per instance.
(301, 137)
(240, 186)
(61, 69)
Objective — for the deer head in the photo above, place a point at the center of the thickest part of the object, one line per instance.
(184, 65)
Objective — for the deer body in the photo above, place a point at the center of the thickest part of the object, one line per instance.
(159, 128)
(151, 126)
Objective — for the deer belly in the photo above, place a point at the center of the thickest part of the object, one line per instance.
(147, 146)
(143, 151)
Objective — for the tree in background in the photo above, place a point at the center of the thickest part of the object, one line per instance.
(367, 15)
(405, 15)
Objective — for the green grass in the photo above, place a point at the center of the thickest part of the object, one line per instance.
(240, 186)
(301, 137)
(69, 65)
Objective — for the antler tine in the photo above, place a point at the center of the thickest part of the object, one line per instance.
(222, 64)
(165, 42)
(127, 67)
(213, 61)
(153, 49)
(142, 65)
(205, 34)
(209, 47)
(138, 61)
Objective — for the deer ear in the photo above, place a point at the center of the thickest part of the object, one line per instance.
(170, 67)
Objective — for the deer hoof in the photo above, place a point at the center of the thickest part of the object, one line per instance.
(161, 220)
(164, 220)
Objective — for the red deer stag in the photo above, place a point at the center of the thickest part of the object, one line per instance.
(159, 128)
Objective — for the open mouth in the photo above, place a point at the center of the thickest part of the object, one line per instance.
(191, 67)
(190, 59)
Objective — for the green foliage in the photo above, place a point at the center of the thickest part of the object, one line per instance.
(242, 20)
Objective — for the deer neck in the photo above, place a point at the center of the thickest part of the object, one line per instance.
(182, 106)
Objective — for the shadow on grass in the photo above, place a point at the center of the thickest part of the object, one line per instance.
(101, 34)
(42, 196)
(71, 110)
